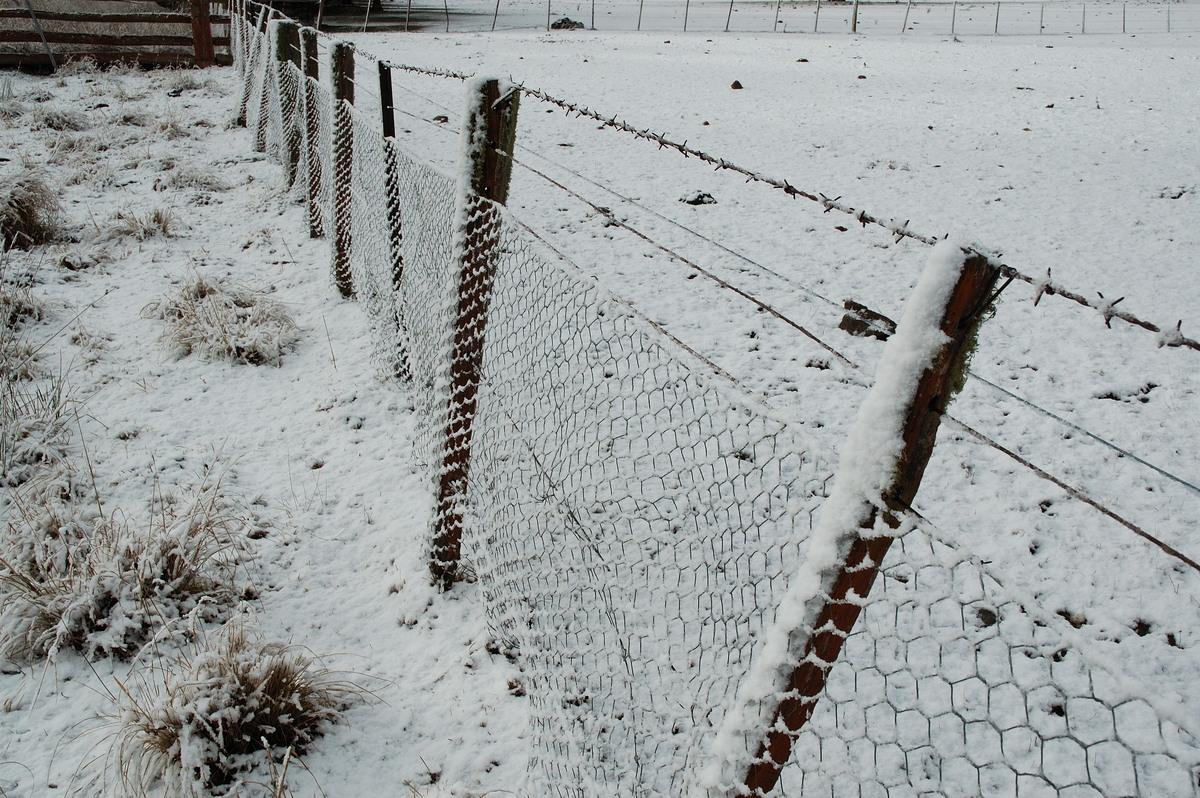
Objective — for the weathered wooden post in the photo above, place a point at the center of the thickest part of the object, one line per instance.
(202, 41)
(391, 176)
(854, 18)
(260, 63)
(287, 56)
(883, 467)
(341, 59)
(904, 25)
(953, 16)
(312, 130)
(250, 41)
(489, 131)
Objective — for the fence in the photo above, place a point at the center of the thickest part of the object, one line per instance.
(48, 33)
(1008, 17)
(641, 528)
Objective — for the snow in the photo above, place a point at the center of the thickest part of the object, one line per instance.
(1100, 188)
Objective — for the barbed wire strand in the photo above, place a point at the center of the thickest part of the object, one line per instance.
(854, 313)
(1071, 491)
(1043, 286)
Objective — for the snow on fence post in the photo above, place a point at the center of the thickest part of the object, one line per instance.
(395, 231)
(264, 106)
(312, 130)
(287, 54)
(341, 59)
(922, 368)
(248, 61)
(489, 136)
(202, 41)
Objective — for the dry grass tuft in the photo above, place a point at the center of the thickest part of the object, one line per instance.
(216, 320)
(29, 212)
(35, 415)
(44, 117)
(140, 226)
(106, 586)
(237, 701)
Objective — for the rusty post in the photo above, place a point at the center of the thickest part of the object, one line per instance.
(342, 61)
(312, 130)
(202, 41)
(939, 383)
(491, 120)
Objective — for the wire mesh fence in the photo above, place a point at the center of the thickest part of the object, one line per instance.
(1007, 17)
(634, 522)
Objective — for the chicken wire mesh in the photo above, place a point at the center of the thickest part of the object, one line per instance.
(633, 521)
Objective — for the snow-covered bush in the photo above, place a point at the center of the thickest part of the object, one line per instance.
(217, 320)
(210, 718)
(98, 584)
(29, 212)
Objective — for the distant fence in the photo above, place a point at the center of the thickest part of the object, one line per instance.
(941, 17)
(653, 545)
(47, 32)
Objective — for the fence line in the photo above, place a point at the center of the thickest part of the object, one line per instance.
(635, 528)
(1043, 286)
(940, 17)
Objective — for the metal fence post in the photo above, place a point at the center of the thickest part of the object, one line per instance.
(491, 127)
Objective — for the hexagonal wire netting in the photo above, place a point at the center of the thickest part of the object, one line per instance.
(634, 521)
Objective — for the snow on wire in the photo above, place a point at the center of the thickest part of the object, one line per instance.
(634, 524)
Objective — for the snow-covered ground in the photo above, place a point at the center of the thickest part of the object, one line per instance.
(1070, 154)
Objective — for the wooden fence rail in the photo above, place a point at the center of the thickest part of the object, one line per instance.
(46, 33)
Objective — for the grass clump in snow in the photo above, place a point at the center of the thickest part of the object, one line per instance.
(29, 212)
(73, 577)
(217, 320)
(235, 702)
(35, 415)
(140, 226)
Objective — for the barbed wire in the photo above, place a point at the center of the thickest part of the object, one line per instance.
(1072, 491)
(1043, 286)
(1010, 274)
(865, 318)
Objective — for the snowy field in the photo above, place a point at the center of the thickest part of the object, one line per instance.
(1074, 155)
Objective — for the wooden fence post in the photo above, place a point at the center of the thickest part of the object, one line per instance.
(264, 105)
(342, 61)
(287, 55)
(202, 40)
(971, 296)
(248, 43)
(491, 124)
(312, 130)
(391, 176)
